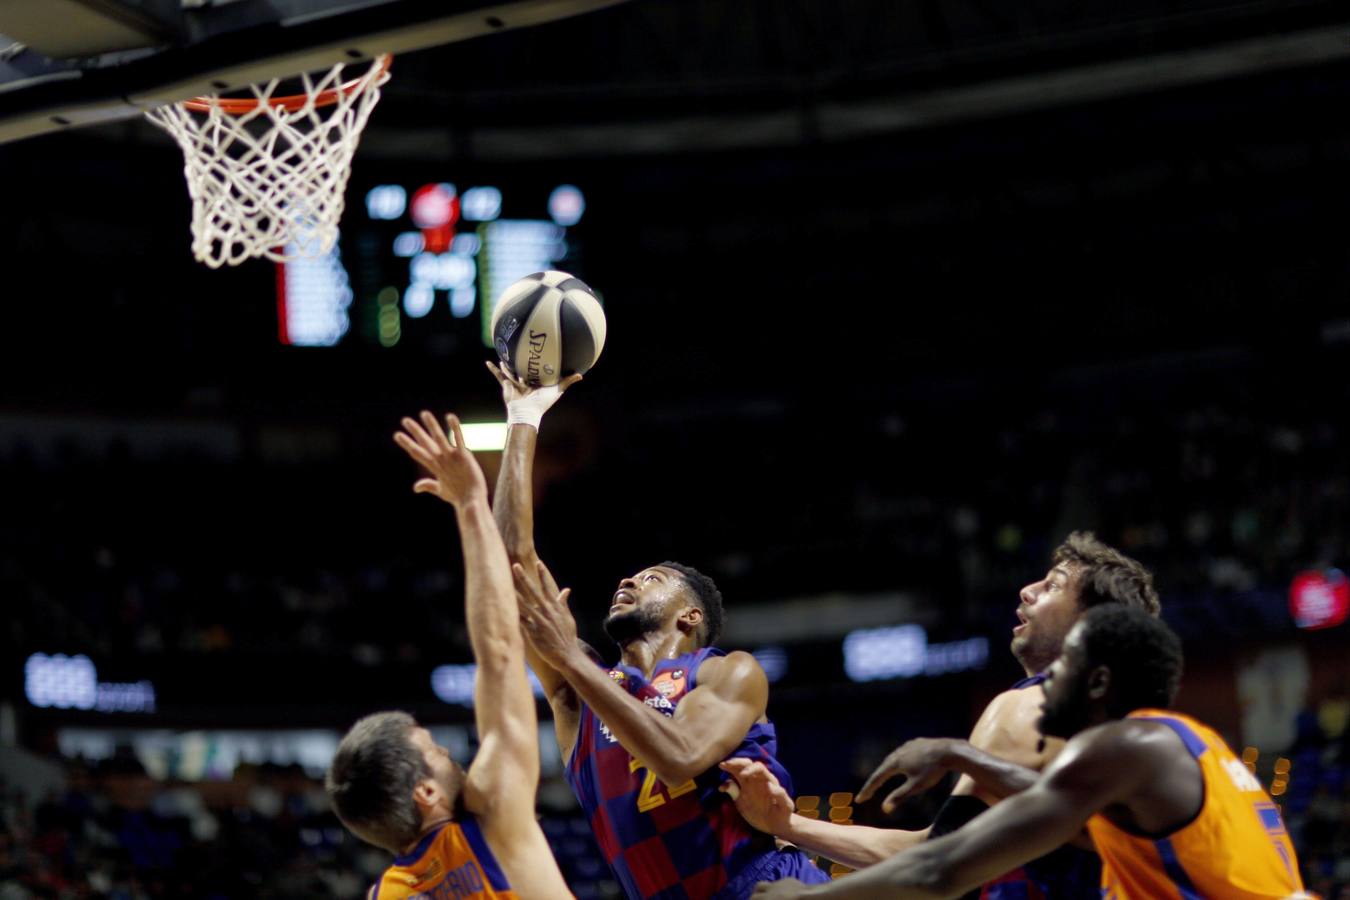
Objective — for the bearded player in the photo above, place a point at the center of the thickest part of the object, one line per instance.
(456, 834)
(642, 740)
(1173, 813)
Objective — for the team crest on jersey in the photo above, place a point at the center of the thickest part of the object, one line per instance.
(670, 683)
(617, 675)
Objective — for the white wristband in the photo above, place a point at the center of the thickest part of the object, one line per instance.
(529, 409)
(524, 414)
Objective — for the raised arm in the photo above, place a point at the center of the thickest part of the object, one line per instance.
(513, 510)
(763, 802)
(709, 722)
(1005, 755)
(505, 772)
(1098, 769)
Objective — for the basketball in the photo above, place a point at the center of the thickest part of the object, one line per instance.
(547, 326)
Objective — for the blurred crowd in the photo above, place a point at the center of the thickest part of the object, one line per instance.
(106, 829)
(1316, 802)
(113, 554)
(112, 832)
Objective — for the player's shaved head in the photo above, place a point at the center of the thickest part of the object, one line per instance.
(371, 780)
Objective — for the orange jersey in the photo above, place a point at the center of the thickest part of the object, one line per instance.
(453, 862)
(1236, 848)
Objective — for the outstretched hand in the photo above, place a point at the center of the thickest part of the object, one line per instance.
(544, 615)
(760, 798)
(923, 763)
(524, 404)
(454, 475)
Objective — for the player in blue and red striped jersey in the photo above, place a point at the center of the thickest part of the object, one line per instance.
(643, 739)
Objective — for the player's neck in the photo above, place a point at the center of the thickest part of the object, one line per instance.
(1034, 666)
(429, 824)
(645, 652)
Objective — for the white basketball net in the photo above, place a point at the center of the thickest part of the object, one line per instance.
(269, 182)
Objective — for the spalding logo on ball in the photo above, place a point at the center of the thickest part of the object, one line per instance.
(547, 326)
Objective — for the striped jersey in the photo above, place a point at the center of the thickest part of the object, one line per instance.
(672, 842)
(1235, 848)
(453, 862)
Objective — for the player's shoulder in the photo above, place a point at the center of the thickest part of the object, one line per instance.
(734, 665)
(1016, 698)
(1126, 743)
(1006, 710)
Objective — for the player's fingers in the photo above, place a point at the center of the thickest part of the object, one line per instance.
(418, 433)
(546, 578)
(564, 597)
(568, 382)
(496, 373)
(897, 796)
(735, 766)
(526, 588)
(433, 427)
(426, 486)
(884, 773)
(452, 423)
(413, 449)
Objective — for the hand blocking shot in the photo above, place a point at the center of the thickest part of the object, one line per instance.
(456, 833)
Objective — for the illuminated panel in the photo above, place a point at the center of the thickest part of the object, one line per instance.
(60, 681)
(566, 205)
(484, 435)
(903, 651)
(453, 684)
(313, 295)
(874, 653)
(198, 755)
(71, 682)
(1319, 598)
(387, 201)
(509, 250)
(774, 662)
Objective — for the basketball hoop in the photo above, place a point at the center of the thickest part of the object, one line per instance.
(266, 173)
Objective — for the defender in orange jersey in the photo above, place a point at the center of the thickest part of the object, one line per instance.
(1174, 815)
(456, 834)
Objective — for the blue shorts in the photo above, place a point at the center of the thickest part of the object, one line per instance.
(773, 866)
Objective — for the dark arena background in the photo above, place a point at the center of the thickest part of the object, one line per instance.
(898, 295)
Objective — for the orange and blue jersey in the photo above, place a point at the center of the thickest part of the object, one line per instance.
(1236, 847)
(684, 841)
(453, 862)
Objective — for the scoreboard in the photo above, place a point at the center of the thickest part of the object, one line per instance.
(423, 263)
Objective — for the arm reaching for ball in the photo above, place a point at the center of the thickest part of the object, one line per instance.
(513, 509)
